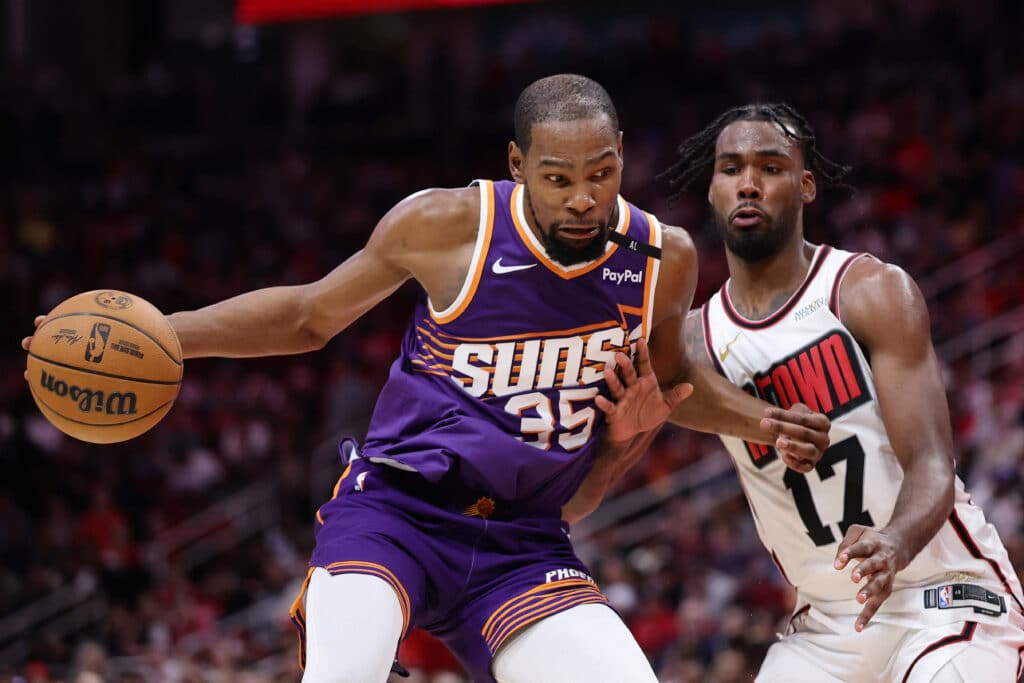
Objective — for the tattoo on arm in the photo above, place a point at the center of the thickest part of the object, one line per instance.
(693, 333)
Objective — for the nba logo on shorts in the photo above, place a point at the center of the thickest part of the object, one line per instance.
(358, 486)
(945, 596)
(97, 342)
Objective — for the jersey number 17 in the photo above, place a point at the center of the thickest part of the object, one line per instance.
(851, 451)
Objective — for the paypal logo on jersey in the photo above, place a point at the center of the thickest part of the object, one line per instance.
(620, 276)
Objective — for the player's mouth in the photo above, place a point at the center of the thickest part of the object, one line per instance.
(747, 217)
(578, 233)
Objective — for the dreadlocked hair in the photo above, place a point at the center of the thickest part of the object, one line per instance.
(697, 153)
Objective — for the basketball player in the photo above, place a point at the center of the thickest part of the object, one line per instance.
(449, 515)
(899, 577)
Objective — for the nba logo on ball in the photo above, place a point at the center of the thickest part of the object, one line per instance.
(97, 342)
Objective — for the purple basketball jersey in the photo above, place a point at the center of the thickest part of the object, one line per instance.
(499, 387)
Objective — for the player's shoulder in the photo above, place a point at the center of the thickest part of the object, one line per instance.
(876, 295)
(870, 277)
(435, 217)
(677, 275)
(441, 206)
(677, 247)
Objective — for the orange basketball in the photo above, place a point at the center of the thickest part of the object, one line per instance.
(104, 366)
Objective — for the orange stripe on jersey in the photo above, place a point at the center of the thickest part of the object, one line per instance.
(528, 607)
(426, 333)
(337, 487)
(380, 571)
(297, 612)
(530, 240)
(652, 271)
(557, 603)
(435, 366)
(540, 335)
(631, 309)
(535, 603)
(480, 254)
(509, 604)
(434, 353)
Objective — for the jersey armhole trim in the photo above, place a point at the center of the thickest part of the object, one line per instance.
(476, 265)
(653, 269)
(833, 299)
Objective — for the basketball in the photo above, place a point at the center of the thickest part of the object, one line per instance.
(104, 366)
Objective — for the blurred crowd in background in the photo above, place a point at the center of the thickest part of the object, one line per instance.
(190, 167)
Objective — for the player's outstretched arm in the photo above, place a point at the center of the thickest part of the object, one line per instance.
(884, 309)
(296, 319)
(798, 434)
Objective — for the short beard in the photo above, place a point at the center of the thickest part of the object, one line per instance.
(563, 253)
(757, 246)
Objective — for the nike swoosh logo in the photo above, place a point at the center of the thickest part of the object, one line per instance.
(724, 352)
(499, 269)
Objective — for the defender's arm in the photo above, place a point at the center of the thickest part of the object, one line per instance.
(886, 312)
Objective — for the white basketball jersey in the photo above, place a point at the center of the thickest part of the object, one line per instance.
(803, 353)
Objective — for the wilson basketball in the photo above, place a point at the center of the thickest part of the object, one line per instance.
(104, 366)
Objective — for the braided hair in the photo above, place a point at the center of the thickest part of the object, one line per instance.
(697, 153)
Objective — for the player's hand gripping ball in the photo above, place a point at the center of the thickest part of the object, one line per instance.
(104, 366)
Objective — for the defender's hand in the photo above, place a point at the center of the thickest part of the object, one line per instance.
(28, 340)
(638, 404)
(881, 552)
(801, 436)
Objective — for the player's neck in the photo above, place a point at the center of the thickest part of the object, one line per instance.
(759, 289)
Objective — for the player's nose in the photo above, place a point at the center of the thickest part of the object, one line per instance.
(749, 185)
(580, 202)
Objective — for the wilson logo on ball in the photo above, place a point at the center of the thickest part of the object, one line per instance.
(97, 342)
(116, 403)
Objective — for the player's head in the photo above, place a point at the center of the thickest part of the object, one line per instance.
(764, 167)
(567, 153)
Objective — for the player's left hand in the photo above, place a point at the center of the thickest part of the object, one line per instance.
(801, 435)
(637, 402)
(27, 341)
(882, 559)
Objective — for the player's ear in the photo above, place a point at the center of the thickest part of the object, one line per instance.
(808, 187)
(515, 161)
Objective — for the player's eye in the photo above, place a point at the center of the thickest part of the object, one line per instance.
(556, 179)
(772, 169)
(603, 173)
(729, 170)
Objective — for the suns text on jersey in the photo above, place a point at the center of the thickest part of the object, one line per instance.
(510, 367)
